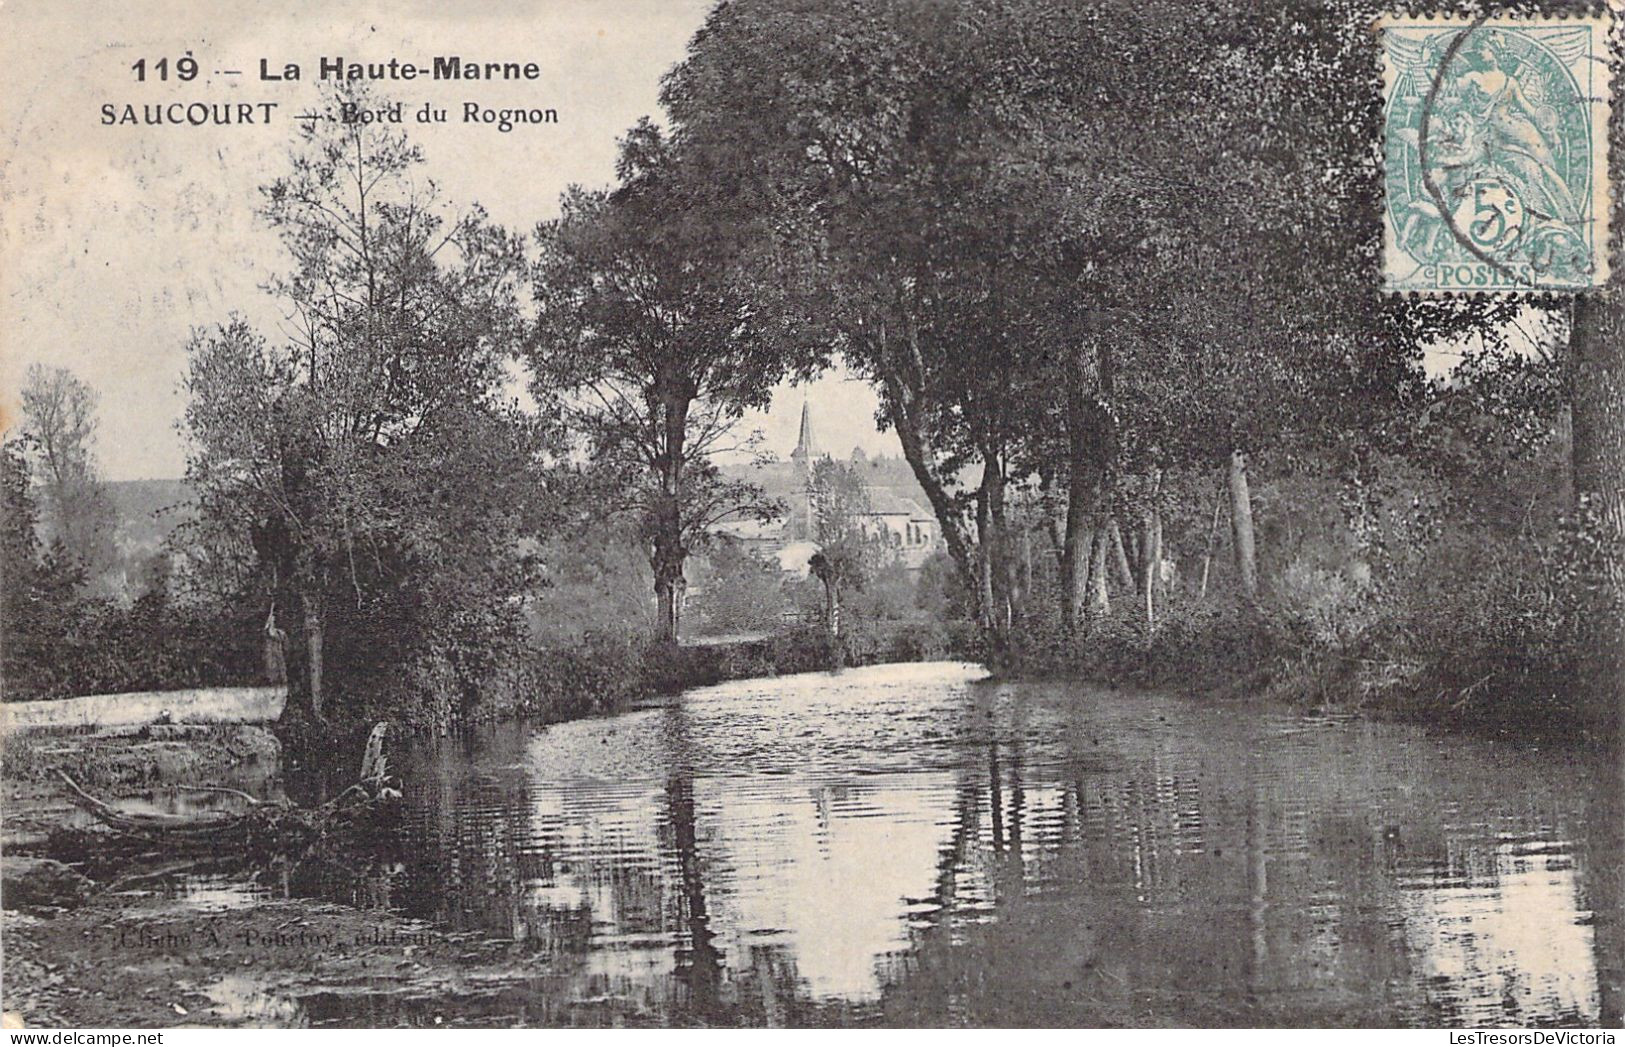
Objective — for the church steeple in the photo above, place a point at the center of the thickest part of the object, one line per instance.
(806, 447)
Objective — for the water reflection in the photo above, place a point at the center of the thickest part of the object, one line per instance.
(905, 844)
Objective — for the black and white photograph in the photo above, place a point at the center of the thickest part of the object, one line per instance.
(922, 514)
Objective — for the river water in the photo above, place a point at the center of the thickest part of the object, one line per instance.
(913, 845)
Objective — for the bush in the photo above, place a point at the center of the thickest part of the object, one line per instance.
(1322, 607)
(600, 673)
(97, 647)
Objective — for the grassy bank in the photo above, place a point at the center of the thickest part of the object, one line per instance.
(601, 676)
(1486, 681)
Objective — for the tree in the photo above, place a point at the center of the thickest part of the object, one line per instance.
(1057, 280)
(743, 593)
(879, 154)
(653, 339)
(371, 462)
(59, 414)
(1598, 462)
(849, 553)
(42, 606)
(19, 562)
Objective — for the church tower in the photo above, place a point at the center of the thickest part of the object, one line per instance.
(806, 447)
(799, 526)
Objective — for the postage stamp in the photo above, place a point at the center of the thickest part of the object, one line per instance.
(1495, 154)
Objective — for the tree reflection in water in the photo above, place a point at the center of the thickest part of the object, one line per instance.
(904, 844)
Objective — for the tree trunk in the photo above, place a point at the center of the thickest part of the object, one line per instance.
(901, 415)
(1598, 457)
(1100, 599)
(988, 615)
(667, 561)
(1080, 542)
(315, 629)
(1005, 580)
(1021, 571)
(1078, 547)
(1150, 569)
(1157, 577)
(668, 607)
(1241, 529)
(669, 554)
(1087, 438)
(1119, 557)
(1598, 462)
(275, 649)
(1212, 537)
(1075, 557)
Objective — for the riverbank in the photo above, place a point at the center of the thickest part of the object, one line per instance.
(608, 673)
(191, 705)
(113, 950)
(1485, 685)
(122, 760)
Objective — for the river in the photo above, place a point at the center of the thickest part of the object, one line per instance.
(913, 845)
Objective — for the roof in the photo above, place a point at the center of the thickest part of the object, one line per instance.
(884, 502)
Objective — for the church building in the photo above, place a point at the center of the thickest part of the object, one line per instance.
(895, 505)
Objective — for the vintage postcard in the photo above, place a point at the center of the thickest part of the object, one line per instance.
(810, 514)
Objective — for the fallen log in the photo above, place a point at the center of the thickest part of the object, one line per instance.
(263, 823)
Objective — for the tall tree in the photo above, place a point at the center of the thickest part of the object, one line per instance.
(59, 412)
(653, 340)
(19, 564)
(347, 456)
(1039, 261)
(1598, 463)
(1598, 391)
(880, 145)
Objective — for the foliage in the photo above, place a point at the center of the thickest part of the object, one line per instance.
(593, 581)
(940, 593)
(59, 421)
(849, 552)
(1077, 303)
(368, 474)
(651, 339)
(743, 593)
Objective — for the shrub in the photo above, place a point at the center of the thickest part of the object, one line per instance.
(1323, 607)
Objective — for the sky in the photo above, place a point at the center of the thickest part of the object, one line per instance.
(115, 241)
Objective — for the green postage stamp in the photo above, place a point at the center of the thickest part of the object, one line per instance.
(1495, 154)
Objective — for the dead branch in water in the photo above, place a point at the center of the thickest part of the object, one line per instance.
(140, 823)
(263, 823)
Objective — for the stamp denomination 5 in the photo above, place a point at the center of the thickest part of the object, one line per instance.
(1495, 154)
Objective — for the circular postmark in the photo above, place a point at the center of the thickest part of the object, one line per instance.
(1489, 170)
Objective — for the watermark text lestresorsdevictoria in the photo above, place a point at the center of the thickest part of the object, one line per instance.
(1532, 1038)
